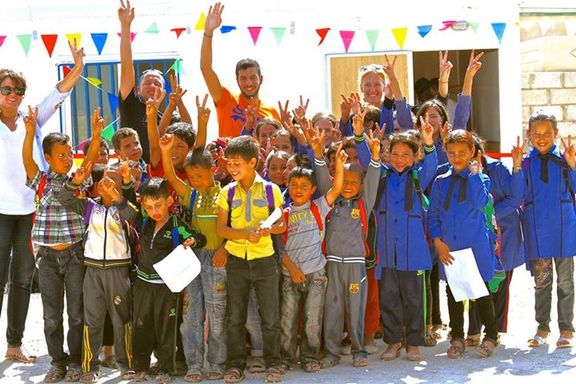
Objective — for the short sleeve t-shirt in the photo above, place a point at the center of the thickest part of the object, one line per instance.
(304, 241)
(231, 118)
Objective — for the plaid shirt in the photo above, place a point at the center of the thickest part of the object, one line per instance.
(54, 224)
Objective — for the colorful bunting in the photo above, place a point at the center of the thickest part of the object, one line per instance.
(499, 30)
(201, 22)
(278, 34)
(108, 132)
(99, 40)
(254, 33)
(227, 28)
(2, 39)
(322, 32)
(178, 31)
(74, 37)
(25, 41)
(400, 35)
(372, 36)
(49, 43)
(347, 37)
(132, 36)
(177, 67)
(113, 101)
(423, 30)
(448, 24)
(93, 81)
(153, 28)
(473, 25)
(66, 70)
(34, 35)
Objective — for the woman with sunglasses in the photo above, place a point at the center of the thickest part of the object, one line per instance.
(16, 200)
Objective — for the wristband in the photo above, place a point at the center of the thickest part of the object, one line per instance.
(208, 36)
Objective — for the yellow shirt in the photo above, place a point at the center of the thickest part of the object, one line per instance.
(249, 209)
(204, 212)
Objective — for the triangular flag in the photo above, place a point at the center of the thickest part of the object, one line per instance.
(2, 39)
(347, 37)
(177, 67)
(322, 32)
(108, 132)
(278, 34)
(34, 35)
(113, 101)
(132, 36)
(400, 35)
(66, 70)
(227, 28)
(448, 24)
(94, 81)
(74, 36)
(25, 41)
(499, 30)
(167, 85)
(153, 28)
(473, 25)
(99, 40)
(372, 36)
(254, 33)
(423, 30)
(178, 31)
(200, 23)
(49, 43)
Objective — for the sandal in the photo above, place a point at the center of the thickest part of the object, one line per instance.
(473, 340)
(16, 354)
(127, 374)
(90, 377)
(329, 361)
(193, 375)
(392, 352)
(55, 374)
(274, 375)
(233, 375)
(72, 374)
(110, 362)
(565, 339)
(457, 348)
(486, 349)
(214, 374)
(413, 353)
(257, 365)
(311, 366)
(140, 376)
(163, 378)
(430, 340)
(360, 361)
(538, 340)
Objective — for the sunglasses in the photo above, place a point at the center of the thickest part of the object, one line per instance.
(19, 91)
(371, 68)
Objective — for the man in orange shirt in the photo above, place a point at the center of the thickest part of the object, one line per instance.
(234, 111)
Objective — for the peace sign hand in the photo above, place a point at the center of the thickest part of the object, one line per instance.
(569, 152)
(427, 131)
(518, 152)
(30, 120)
(445, 66)
(153, 103)
(203, 111)
(474, 64)
(389, 67)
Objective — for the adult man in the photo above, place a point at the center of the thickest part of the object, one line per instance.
(234, 111)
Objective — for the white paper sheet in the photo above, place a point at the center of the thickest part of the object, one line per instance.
(463, 276)
(179, 268)
(274, 216)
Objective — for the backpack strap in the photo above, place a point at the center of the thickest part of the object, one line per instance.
(231, 191)
(418, 187)
(41, 187)
(269, 197)
(175, 233)
(89, 208)
(382, 184)
(286, 214)
(193, 196)
(316, 213)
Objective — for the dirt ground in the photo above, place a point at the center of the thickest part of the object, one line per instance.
(513, 361)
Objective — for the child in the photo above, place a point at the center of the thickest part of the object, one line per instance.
(303, 274)
(242, 206)
(456, 221)
(155, 306)
(107, 259)
(402, 248)
(276, 168)
(549, 224)
(346, 230)
(206, 294)
(127, 145)
(58, 232)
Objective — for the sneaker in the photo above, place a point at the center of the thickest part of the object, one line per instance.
(371, 349)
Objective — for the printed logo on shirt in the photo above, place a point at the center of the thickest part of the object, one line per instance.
(168, 235)
(172, 312)
(354, 288)
(117, 300)
(238, 114)
(220, 287)
(355, 213)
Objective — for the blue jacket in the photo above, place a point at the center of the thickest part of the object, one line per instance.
(548, 218)
(507, 211)
(463, 225)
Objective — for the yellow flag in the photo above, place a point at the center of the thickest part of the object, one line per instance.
(200, 23)
(74, 36)
(94, 81)
(400, 35)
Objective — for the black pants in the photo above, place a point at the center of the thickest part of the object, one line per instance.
(155, 325)
(433, 315)
(485, 307)
(242, 275)
(500, 298)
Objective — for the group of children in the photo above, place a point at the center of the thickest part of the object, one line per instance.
(368, 207)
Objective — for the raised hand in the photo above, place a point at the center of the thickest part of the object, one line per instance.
(77, 54)
(444, 65)
(166, 143)
(30, 120)
(82, 173)
(389, 67)
(203, 111)
(125, 171)
(345, 108)
(569, 151)
(300, 111)
(214, 18)
(177, 93)
(284, 113)
(358, 123)
(251, 113)
(295, 130)
(427, 131)
(341, 157)
(445, 131)
(518, 153)
(97, 123)
(153, 103)
(315, 139)
(374, 144)
(125, 12)
(474, 63)
(378, 132)
(356, 104)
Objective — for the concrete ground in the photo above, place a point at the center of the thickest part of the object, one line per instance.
(513, 361)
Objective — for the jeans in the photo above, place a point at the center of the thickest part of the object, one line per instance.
(485, 307)
(59, 273)
(15, 233)
(262, 274)
(312, 292)
(254, 326)
(205, 295)
(543, 276)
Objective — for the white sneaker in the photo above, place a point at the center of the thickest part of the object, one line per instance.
(371, 349)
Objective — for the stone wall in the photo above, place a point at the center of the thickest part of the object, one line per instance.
(554, 92)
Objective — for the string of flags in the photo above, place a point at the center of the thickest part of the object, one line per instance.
(99, 39)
